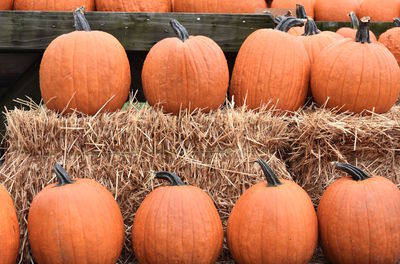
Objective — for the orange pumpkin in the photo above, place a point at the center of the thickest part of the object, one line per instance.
(188, 72)
(134, 5)
(351, 32)
(359, 219)
(53, 5)
(273, 222)
(272, 68)
(85, 70)
(190, 232)
(9, 229)
(75, 221)
(219, 6)
(308, 5)
(327, 10)
(356, 75)
(6, 4)
(384, 10)
(391, 39)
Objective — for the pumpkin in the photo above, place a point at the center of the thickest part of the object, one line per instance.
(219, 6)
(273, 222)
(384, 11)
(53, 5)
(351, 32)
(6, 4)
(75, 221)
(391, 39)
(272, 68)
(356, 75)
(359, 219)
(9, 229)
(185, 73)
(85, 70)
(327, 10)
(308, 5)
(134, 5)
(190, 232)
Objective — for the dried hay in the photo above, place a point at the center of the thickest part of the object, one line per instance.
(213, 151)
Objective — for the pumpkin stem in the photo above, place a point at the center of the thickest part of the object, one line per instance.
(288, 22)
(396, 21)
(363, 31)
(180, 30)
(81, 24)
(311, 28)
(269, 3)
(353, 20)
(356, 173)
(173, 179)
(272, 179)
(301, 11)
(278, 19)
(62, 176)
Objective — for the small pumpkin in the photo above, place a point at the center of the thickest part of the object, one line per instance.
(75, 221)
(391, 39)
(185, 73)
(359, 219)
(219, 6)
(356, 75)
(53, 5)
(134, 5)
(85, 70)
(177, 224)
(273, 222)
(6, 4)
(384, 10)
(351, 32)
(327, 10)
(9, 229)
(272, 68)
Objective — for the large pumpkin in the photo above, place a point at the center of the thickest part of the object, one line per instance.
(384, 10)
(185, 73)
(356, 75)
(351, 32)
(85, 70)
(327, 10)
(134, 5)
(53, 5)
(391, 39)
(177, 224)
(273, 222)
(291, 4)
(219, 6)
(359, 219)
(9, 229)
(272, 68)
(75, 221)
(6, 4)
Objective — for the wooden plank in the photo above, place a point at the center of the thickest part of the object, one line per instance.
(136, 31)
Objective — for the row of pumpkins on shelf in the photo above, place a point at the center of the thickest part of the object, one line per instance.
(323, 10)
(89, 70)
(78, 221)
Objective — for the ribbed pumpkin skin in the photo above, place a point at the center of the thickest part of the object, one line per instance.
(9, 229)
(291, 4)
(359, 222)
(297, 31)
(384, 10)
(177, 224)
(84, 71)
(134, 5)
(356, 77)
(271, 65)
(188, 75)
(351, 33)
(327, 10)
(219, 6)
(53, 5)
(273, 225)
(6, 4)
(77, 223)
(391, 40)
(314, 44)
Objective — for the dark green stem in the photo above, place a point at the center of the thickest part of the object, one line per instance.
(81, 24)
(272, 179)
(301, 11)
(62, 176)
(288, 22)
(278, 19)
(173, 179)
(180, 30)
(353, 20)
(363, 31)
(356, 173)
(311, 28)
(396, 21)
